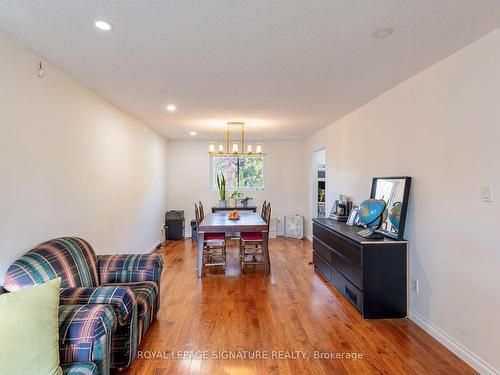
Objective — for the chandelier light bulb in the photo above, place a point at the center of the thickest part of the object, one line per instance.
(235, 146)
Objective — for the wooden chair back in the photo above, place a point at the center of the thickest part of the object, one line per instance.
(202, 213)
(263, 209)
(197, 215)
(267, 214)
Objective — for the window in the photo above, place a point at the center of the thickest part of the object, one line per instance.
(240, 172)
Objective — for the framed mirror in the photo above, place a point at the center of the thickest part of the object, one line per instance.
(395, 192)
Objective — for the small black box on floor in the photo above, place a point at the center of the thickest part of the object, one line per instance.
(174, 225)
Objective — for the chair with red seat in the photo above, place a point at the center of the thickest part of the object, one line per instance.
(251, 242)
(214, 244)
(263, 209)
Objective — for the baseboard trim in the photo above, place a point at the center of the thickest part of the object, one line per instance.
(469, 357)
(153, 247)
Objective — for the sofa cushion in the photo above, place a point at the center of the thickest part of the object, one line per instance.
(145, 293)
(29, 330)
(70, 258)
(121, 298)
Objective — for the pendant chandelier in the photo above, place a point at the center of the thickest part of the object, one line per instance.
(235, 147)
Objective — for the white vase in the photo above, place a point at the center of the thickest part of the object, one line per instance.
(222, 203)
(232, 202)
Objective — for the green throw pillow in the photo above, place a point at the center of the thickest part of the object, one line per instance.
(29, 336)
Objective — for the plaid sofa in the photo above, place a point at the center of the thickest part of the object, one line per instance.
(129, 283)
(85, 338)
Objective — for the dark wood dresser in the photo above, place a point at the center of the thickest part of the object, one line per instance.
(370, 274)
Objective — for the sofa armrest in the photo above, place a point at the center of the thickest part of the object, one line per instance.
(120, 298)
(85, 324)
(126, 268)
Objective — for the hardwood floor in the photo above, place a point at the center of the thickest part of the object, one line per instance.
(292, 310)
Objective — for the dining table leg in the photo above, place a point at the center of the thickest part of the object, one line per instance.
(201, 240)
(265, 250)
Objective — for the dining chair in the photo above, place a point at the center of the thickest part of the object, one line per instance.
(251, 243)
(202, 212)
(214, 244)
(263, 209)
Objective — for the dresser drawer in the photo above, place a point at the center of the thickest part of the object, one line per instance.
(322, 266)
(348, 269)
(323, 250)
(347, 248)
(348, 290)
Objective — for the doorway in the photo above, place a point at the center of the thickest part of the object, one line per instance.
(319, 183)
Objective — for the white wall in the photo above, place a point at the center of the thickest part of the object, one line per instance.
(73, 164)
(442, 127)
(284, 174)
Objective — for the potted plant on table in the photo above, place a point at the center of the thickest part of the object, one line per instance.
(245, 200)
(234, 198)
(221, 186)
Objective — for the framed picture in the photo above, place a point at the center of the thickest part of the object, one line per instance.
(353, 216)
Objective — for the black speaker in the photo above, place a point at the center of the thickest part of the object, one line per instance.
(174, 225)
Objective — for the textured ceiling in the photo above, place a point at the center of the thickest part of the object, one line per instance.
(263, 62)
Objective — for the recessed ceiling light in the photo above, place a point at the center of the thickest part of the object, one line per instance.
(383, 33)
(171, 108)
(103, 25)
(192, 133)
(307, 108)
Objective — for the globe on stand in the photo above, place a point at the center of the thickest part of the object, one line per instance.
(372, 213)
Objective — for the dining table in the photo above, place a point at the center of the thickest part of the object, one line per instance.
(219, 222)
(237, 208)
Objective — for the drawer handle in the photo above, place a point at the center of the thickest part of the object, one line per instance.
(349, 294)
